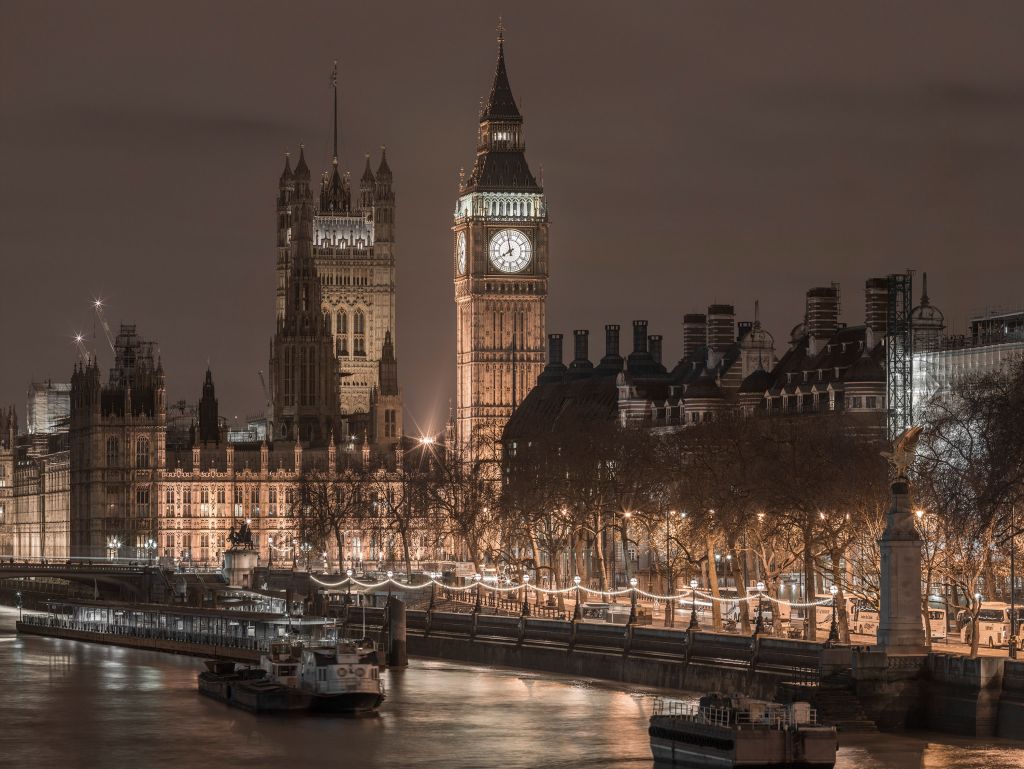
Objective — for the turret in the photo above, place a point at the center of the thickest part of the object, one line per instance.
(367, 185)
(383, 201)
(208, 427)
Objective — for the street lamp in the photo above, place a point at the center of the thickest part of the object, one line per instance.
(477, 578)
(18, 596)
(632, 600)
(348, 587)
(577, 612)
(1013, 642)
(833, 631)
(694, 625)
(270, 553)
(526, 595)
(625, 541)
(114, 545)
(759, 624)
(150, 546)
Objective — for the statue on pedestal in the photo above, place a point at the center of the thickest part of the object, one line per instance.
(900, 627)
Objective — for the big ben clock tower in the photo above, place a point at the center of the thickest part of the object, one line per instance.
(500, 263)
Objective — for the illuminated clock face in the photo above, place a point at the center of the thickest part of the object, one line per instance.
(460, 248)
(510, 251)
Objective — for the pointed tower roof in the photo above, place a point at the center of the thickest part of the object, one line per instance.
(301, 169)
(286, 174)
(367, 173)
(501, 105)
(383, 170)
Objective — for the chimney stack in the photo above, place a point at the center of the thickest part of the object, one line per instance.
(654, 347)
(555, 349)
(581, 361)
(555, 370)
(876, 305)
(639, 336)
(612, 360)
(821, 316)
(721, 326)
(695, 332)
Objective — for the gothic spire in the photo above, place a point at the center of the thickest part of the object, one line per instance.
(286, 174)
(367, 173)
(334, 85)
(301, 169)
(500, 105)
(383, 170)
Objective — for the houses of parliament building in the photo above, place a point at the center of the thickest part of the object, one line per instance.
(124, 473)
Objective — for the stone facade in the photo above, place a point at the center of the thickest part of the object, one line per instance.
(353, 248)
(500, 267)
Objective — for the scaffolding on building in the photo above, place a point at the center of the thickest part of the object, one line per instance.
(899, 355)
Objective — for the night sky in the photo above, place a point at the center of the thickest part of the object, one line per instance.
(691, 153)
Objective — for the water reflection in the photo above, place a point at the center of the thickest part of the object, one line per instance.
(84, 705)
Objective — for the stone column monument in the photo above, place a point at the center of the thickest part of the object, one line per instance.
(900, 628)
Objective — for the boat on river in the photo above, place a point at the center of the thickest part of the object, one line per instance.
(723, 732)
(341, 678)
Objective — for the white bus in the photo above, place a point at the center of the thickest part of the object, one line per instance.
(993, 624)
(864, 621)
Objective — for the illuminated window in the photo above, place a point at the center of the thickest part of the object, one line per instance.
(142, 503)
(359, 333)
(142, 453)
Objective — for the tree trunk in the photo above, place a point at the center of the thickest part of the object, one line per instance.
(811, 612)
(339, 539)
(744, 604)
(716, 606)
(602, 564)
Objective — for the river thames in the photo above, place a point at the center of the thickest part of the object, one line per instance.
(69, 704)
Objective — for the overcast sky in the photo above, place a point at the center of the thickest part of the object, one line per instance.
(692, 153)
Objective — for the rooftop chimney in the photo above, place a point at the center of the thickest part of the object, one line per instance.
(721, 326)
(876, 305)
(695, 332)
(612, 361)
(581, 362)
(639, 336)
(555, 370)
(821, 317)
(654, 347)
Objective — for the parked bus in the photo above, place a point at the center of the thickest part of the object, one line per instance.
(993, 624)
(864, 621)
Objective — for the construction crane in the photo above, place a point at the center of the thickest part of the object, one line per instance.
(899, 355)
(98, 306)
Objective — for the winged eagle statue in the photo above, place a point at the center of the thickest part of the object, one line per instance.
(904, 449)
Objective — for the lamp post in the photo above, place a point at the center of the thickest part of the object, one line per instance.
(1013, 642)
(625, 542)
(833, 631)
(390, 575)
(526, 595)
(477, 578)
(577, 612)
(348, 587)
(18, 595)
(759, 624)
(150, 546)
(694, 625)
(270, 553)
(632, 600)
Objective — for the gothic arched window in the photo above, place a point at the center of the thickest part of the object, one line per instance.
(113, 452)
(341, 328)
(359, 333)
(142, 452)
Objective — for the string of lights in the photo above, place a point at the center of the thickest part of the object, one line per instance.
(564, 591)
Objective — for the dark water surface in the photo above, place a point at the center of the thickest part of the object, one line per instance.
(69, 704)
